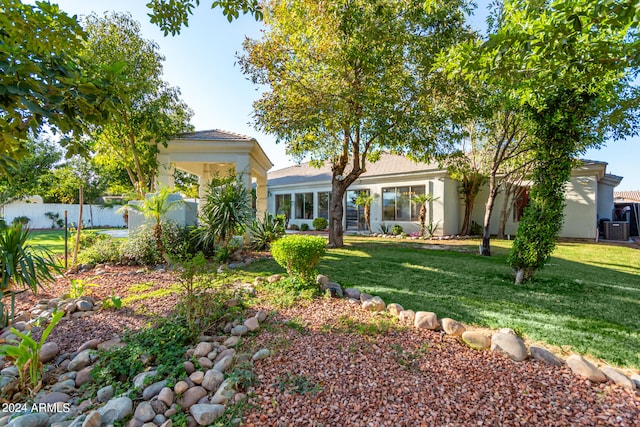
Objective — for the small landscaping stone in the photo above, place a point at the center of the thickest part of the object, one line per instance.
(89, 345)
(583, 368)
(66, 386)
(205, 362)
(202, 349)
(158, 406)
(153, 389)
(191, 396)
(189, 367)
(476, 340)
(94, 419)
(54, 397)
(49, 351)
(116, 409)
(34, 419)
(166, 396)
(252, 324)
(364, 297)
(206, 414)
(197, 377)
(111, 344)
(84, 376)
(321, 279)
(224, 353)
(144, 412)
(105, 393)
(223, 364)
(452, 327)
(274, 278)
(212, 379)
(81, 361)
(239, 330)
(180, 387)
(261, 316)
(261, 354)
(232, 341)
(636, 379)
(140, 379)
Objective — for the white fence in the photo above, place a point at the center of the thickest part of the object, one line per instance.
(92, 215)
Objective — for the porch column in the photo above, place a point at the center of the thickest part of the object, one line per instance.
(203, 180)
(243, 170)
(165, 171)
(261, 196)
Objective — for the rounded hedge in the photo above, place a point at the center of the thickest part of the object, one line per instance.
(299, 254)
(320, 223)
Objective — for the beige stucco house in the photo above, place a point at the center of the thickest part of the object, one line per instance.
(303, 191)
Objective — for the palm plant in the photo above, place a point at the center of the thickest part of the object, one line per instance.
(22, 266)
(365, 199)
(155, 207)
(422, 200)
(226, 211)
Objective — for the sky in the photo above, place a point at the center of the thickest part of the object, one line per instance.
(201, 61)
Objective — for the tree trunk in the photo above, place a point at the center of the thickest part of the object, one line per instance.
(336, 213)
(423, 218)
(79, 229)
(504, 211)
(486, 232)
(468, 211)
(367, 217)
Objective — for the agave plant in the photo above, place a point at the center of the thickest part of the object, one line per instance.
(22, 266)
(226, 211)
(266, 231)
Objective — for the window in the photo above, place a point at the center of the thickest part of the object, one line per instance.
(323, 204)
(304, 206)
(283, 204)
(397, 204)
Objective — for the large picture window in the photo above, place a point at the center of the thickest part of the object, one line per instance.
(304, 206)
(397, 204)
(323, 204)
(283, 204)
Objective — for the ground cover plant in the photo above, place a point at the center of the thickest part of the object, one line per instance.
(586, 299)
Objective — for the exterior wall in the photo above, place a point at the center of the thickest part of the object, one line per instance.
(92, 215)
(183, 214)
(606, 201)
(580, 212)
(450, 201)
(437, 210)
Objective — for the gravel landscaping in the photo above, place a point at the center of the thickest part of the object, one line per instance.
(334, 364)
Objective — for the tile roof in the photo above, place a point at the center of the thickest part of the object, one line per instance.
(388, 164)
(213, 135)
(627, 196)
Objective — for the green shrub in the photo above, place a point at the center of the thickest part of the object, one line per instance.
(104, 250)
(299, 255)
(142, 247)
(24, 220)
(320, 223)
(396, 230)
(266, 231)
(304, 227)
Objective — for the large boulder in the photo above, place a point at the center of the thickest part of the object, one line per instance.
(583, 368)
(426, 320)
(116, 410)
(510, 345)
(373, 304)
(395, 308)
(545, 356)
(476, 340)
(618, 377)
(407, 317)
(452, 327)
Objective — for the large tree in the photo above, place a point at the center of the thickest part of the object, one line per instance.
(43, 82)
(347, 79)
(147, 112)
(570, 65)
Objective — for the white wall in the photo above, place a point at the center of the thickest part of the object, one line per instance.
(92, 215)
(580, 210)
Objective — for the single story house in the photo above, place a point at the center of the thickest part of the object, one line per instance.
(302, 191)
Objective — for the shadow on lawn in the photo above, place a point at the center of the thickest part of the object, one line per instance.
(593, 309)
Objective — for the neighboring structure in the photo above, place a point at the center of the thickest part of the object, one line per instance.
(205, 153)
(303, 193)
(627, 209)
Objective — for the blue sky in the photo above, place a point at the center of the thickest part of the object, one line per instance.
(201, 62)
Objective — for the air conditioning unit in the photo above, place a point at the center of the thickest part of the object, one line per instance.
(618, 230)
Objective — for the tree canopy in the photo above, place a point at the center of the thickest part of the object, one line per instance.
(147, 112)
(347, 79)
(43, 82)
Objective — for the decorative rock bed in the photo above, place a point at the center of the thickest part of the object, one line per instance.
(505, 341)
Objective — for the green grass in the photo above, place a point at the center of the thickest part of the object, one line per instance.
(587, 297)
(53, 240)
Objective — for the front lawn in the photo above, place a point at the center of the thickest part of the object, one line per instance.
(586, 300)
